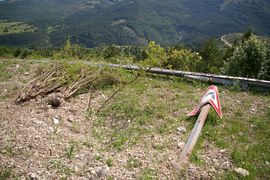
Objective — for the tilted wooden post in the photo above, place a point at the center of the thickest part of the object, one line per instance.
(210, 98)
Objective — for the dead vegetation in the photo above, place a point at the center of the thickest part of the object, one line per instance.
(62, 81)
(54, 78)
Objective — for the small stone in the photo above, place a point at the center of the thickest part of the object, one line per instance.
(241, 171)
(181, 130)
(92, 171)
(27, 73)
(223, 150)
(70, 119)
(51, 129)
(267, 163)
(54, 101)
(181, 145)
(33, 176)
(241, 134)
(102, 171)
(55, 121)
(215, 160)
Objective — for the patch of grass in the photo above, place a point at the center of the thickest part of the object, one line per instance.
(119, 141)
(161, 146)
(71, 149)
(133, 163)
(7, 27)
(88, 143)
(194, 158)
(75, 127)
(9, 150)
(63, 170)
(245, 137)
(4, 73)
(5, 173)
(98, 158)
(109, 162)
(148, 174)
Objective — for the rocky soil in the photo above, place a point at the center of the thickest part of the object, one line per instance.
(38, 141)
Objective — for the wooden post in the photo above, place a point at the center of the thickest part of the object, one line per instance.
(193, 137)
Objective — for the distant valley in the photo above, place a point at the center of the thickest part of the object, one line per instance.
(92, 23)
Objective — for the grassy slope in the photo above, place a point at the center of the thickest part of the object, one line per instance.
(14, 27)
(155, 106)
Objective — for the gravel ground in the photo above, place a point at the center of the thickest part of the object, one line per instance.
(40, 142)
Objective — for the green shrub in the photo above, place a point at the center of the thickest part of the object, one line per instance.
(212, 60)
(111, 51)
(183, 59)
(155, 56)
(248, 58)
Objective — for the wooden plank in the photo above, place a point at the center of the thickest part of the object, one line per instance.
(192, 138)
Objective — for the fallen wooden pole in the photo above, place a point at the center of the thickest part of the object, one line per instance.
(193, 137)
(210, 98)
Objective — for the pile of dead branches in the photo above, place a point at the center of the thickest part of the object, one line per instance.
(54, 78)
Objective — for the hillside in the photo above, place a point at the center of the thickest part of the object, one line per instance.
(99, 22)
(135, 136)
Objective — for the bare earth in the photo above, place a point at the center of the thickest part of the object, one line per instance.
(35, 139)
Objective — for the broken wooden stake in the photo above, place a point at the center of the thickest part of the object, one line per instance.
(210, 98)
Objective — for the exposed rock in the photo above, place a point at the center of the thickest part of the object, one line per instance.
(181, 130)
(33, 176)
(223, 150)
(181, 145)
(55, 120)
(102, 171)
(241, 171)
(54, 101)
(70, 119)
(241, 134)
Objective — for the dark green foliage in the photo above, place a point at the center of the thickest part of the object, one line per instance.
(265, 68)
(247, 58)
(5, 30)
(5, 174)
(212, 59)
(6, 51)
(183, 59)
(111, 51)
(132, 22)
(247, 34)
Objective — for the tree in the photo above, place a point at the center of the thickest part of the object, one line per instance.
(155, 56)
(211, 57)
(265, 68)
(111, 51)
(183, 59)
(247, 58)
(247, 34)
(5, 30)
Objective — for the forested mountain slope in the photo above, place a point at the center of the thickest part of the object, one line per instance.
(133, 22)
